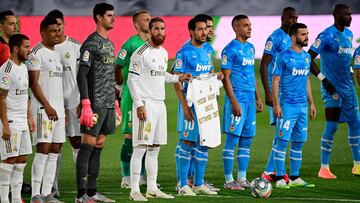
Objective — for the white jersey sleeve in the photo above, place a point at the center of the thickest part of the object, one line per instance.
(133, 78)
(6, 76)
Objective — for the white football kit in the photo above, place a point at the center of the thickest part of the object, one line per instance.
(147, 78)
(202, 93)
(69, 51)
(48, 62)
(15, 79)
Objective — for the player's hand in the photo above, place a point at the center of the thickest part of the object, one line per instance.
(220, 75)
(185, 77)
(141, 113)
(188, 114)
(277, 111)
(328, 86)
(51, 113)
(87, 115)
(31, 124)
(6, 133)
(259, 106)
(78, 111)
(312, 111)
(118, 113)
(236, 109)
(268, 99)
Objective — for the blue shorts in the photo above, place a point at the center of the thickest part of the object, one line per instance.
(245, 125)
(188, 130)
(293, 125)
(347, 102)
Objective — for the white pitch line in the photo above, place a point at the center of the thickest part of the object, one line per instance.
(243, 197)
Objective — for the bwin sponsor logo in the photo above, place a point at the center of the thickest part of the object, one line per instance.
(343, 50)
(300, 71)
(247, 62)
(203, 67)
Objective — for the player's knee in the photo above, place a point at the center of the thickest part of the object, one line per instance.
(21, 159)
(245, 142)
(75, 142)
(139, 151)
(231, 141)
(296, 149)
(43, 148)
(100, 141)
(330, 129)
(354, 128)
(55, 148)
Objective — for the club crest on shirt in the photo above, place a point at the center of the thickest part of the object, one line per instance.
(317, 43)
(280, 133)
(232, 128)
(122, 54)
(186, 133)
(86, 56)
(67, 55)
(268, 46)
(208, 55)
(306, 60)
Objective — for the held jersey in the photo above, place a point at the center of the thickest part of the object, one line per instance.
(48, 62)
(148, 67)
(240, 59)
(97, 54)
(335, 49)
(15, 79)
(202, 93)
(69, 51)
(293, 69)
(277, 42)
(357, 58)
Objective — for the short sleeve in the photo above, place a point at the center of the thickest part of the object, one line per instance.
(319, 44)
(270, 46)
(34, 62)
(357, 58)
(124, 54)
(86, 54)
(226, 59)
(279, 65)
(180, 63)
(6, 78)
(189, 95)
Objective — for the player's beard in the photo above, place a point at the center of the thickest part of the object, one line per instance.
(302, 43)
(158, 40)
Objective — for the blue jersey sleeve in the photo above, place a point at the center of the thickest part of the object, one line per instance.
(357, 58)
(279, 66)
(180, 63)
(270, 46)
(320, 42)
(226, 59)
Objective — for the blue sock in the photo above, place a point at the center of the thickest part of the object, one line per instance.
(270, 166)
(243, 156)
(184, 162)
(295, 158)
(327, 141)
(228, 156)
(177, 160)
(353, 136)
(201, 158)
(192, 163)
(279, 156)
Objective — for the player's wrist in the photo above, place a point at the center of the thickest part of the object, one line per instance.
(321, 76)
(85, 102)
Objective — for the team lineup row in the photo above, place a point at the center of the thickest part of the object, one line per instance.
(86, 109)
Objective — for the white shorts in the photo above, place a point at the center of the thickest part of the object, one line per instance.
(19, 142)
(73, 123)
(48, 131)
(154, 129)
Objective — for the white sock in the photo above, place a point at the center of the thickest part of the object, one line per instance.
(37, 172)
(151, 166)
(49, 174)
(5, 174)
(75, 153)
(57, 172)
(17, 181)
(135, 168)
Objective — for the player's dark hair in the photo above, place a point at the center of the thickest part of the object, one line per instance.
(16, 40)
(339, 7)
(194, 20)
(56, 14)
(295, 27)
(100, 9)
(154, 20)
(46, 22)
(4, 14)
(138, 13)
(237, 18)
(286, 10)
(203, 15)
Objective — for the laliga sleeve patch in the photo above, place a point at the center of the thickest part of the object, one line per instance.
(357, 60)
(122, 54)
(268, 45)
(135, 67)
(5, 79)
(224, 60)
(178, 63)
(317, 43)
(86, 56)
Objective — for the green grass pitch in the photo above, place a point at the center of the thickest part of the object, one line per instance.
(346, 188)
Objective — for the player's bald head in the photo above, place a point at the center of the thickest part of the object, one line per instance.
(288, 10)
(342, 15)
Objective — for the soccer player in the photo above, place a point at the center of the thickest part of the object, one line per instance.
(290, 90)
(7, 28)
(147, 77)
(277, 42)
(69, 50)
(239, 118)
(357, 64)
(141, 23)
(45, 79)
(334, 45)
(196, 59)
(15, 116)
(96, 81)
